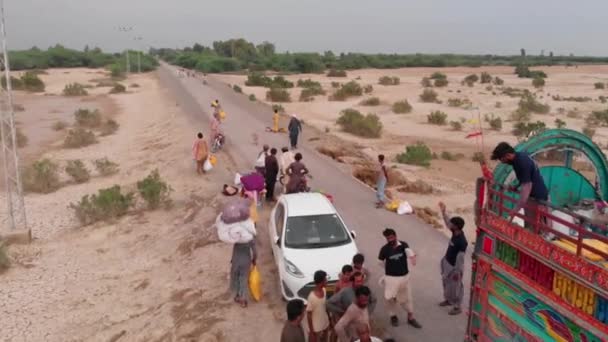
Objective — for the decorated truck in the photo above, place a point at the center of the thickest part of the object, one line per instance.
(543, 277)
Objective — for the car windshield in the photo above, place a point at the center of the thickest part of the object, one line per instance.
(316, 231)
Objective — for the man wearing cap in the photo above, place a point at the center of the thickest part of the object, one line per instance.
(531, 183)
(294, 128)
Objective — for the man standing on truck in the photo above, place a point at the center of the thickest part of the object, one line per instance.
(531, 183)
(452, 264)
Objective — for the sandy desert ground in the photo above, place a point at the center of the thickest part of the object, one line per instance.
(452, 181)
(150, 276)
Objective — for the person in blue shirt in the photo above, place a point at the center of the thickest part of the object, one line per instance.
(531, 183)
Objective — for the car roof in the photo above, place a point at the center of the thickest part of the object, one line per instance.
(307, 204)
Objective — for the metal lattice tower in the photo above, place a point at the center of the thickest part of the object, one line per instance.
(15, 216)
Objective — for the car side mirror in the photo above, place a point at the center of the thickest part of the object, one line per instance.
(353, 234)
(277, 241)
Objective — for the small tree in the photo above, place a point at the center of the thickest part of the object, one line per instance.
(105, 167)
(31, 82)
(278, 95)
(498, 81)
(87, 118)
(41, 177)
(418, 154)
(352, 121)
(538, 82)
(428, 96)
(599, 85)
(79, 137)
(437, 118)
(402, 107)
(470, 80)
(485, 77)
(154, 190)
(108, 204)
(77, 170)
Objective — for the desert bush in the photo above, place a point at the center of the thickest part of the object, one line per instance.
(16, 83)
(522, 71)
(498, 81)
(446, 155)
(597, 118)
(417, 154)
(438, 76)
(573, 114)
(281, 82)
(118, 89)
(154, 190)
(116, 71)
(559, 123)
(252, 97)
(278, 95)
(335, 85)
(79, 137)
(495, 122)
(402, 107)
(521, 116)
(538, 82)
(5, 261)
(237, 89)
(87, 118)
(105, 167)
(498, 104)
(75, 89)
(41, 177)
(440, 82)
(515, 92)
(308, 84)
(529, 103)
(257, 80)
(485, 78)
(456, 102)
(528, 129)
(336, 73)
(426, 82)
(372, 101)
(108, 204)
(307, 94)
(31, 82)
(456, 125)
(602, 99)
(599, 85)
(352, 121)
(478, 157)
(368, 89)
(388, 81)
(572, 98)
(60, 125)
(109, 127)
(588, 131)
(78, 171)
(429, 96)
(470, 80)
(347, 90)
(437, 118)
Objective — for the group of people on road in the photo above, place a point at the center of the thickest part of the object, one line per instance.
(288, 166)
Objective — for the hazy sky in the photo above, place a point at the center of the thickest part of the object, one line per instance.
(404, 26)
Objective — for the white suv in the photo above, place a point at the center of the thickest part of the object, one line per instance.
(307, 234)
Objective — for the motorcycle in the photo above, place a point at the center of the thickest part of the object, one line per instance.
(302, 187)
(218, 142)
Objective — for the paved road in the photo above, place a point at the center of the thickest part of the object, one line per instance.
(353, 200)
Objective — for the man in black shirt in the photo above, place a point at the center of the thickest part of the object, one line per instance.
(396, 277)
(452, 264)
(271, 170)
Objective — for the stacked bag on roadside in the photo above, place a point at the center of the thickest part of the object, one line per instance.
(234, 224)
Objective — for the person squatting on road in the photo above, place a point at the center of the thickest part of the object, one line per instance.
(297, 172)
(200, 150)
(452, 264)
(244, 256)
(271, 171)
(294, 128)
(381, 180)
(397, 289)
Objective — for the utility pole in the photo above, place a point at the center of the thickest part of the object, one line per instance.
(12, 179)
(128, 63)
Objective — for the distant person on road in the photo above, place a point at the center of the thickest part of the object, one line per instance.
(357, 313)
(532, 188)
(260, 162)
(275, 121)
(344, 278)
(271, 171)
(316, 312)
(200, 150)
(358, 261)
(294, 128)
(297, 172)
(215, 126)
(381, 180)
(244, 255)
(397, 289)
(286, 159)
(452, 264)
(292, 330)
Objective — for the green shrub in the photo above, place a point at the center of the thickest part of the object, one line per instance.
(75, 89)
(559, 123)
(335, 85)
(470, 80)
(281, 82)
(116, 71)
(109, 127)
(252, 97)
(456, 102)
(308, 84)
(478, 157)
(5, 261)
(257, 80)
(522, 71)
(16, 83)
(402, 107)
(105, 167)
(389, 81)
(515, 92)
(60, 125)
(485, 78)
(538, 82)
(528, 103)
(108, 204)
(372, 101)
(347, 90)
(154, 190)
(603, 99)
(426, 82)
(572, 98)
(429, 96)
(307, 94)
(278, 95)
(368, 89)
(31, 82)
(456, 125)
(445, 155)
(527, 129)
(336, 73)
(438, 76)
(440, 82)
(87, 118)
(41, 177)
(597, 118)
(495, 122)
(118, 89)
(498, 81)
(79, 137)
(521, 115)
(352, 121)
(417, 154)
(588, 131)
(237, 89)
(77, 170)
(437, 118)
(599, 85)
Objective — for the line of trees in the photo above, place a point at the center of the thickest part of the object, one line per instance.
(240, 54)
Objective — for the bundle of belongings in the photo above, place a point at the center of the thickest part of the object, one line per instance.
(234, 223)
